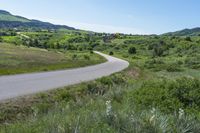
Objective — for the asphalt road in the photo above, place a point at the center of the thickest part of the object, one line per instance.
(23, 84)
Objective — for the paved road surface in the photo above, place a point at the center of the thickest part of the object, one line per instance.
(23, 84)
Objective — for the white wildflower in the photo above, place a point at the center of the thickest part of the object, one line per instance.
(108, 108)
(153, 111)
(152, 118)
(132, 118)
(181, 113)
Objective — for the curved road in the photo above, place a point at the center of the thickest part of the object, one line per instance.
(23, 84)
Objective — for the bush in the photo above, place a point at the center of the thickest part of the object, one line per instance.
(188, 39)
(74, 56)
(86, 57)
(173, 68)
(193, 62)
(1, 40)
(95, 89)
(106, 81)
(132, 50)
(155, 64)
(168, 95)
(91, 52)
(111, 53)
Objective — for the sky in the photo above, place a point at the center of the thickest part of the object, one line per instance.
(111, 16)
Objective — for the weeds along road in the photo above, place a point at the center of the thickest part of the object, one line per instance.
(23, 84)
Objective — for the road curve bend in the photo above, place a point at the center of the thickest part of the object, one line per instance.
(23, 84)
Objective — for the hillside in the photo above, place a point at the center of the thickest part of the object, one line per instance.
(7, 20)
(6, 16)
(21, 59)
(185, 32)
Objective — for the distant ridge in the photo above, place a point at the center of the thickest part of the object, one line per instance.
(7, 20)
(185, 32)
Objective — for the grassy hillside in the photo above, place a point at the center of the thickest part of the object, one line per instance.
(7, 20)
(21, 59)
(6, 16)
(186, 32)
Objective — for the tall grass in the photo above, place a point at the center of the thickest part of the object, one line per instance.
(112, 111)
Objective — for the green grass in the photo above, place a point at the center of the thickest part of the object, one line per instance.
(105, 105)
(20, 59)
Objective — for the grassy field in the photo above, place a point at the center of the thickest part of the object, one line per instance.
(21, 59)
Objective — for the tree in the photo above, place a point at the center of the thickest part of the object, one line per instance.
(132, 50)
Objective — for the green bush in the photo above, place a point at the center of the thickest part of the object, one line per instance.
(132, 50)
(86, 57)
(168, 95)
(95, 89)
(74, 56)
(156, 64)
(173, 67)
(1, 40)
(193, 62)
(111, 53)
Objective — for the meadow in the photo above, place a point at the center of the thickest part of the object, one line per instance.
(21, 59)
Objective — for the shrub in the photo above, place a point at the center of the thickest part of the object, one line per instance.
(155, 64)
(158, 51)
(132, 50)
(159, 48)
(91, 52)
(188, 39)
(168, 95)
(111, 53)
(106, 81)
(74, 56)
(193, 62)
(1, 40)
(173, 68)
(86, 57)
(95, 89)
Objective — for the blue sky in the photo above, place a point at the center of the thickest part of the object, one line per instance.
(127, 16)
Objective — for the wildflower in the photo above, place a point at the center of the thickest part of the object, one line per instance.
(132, 118)
(181, 113)
(152, 118)
(61, 129)
(108, 108)
(153, 111)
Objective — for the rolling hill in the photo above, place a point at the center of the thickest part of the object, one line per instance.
(7, 20)
(185, 32)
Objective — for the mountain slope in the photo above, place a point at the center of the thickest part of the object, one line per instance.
(7, 20)
(186, 32)
(6, 16)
